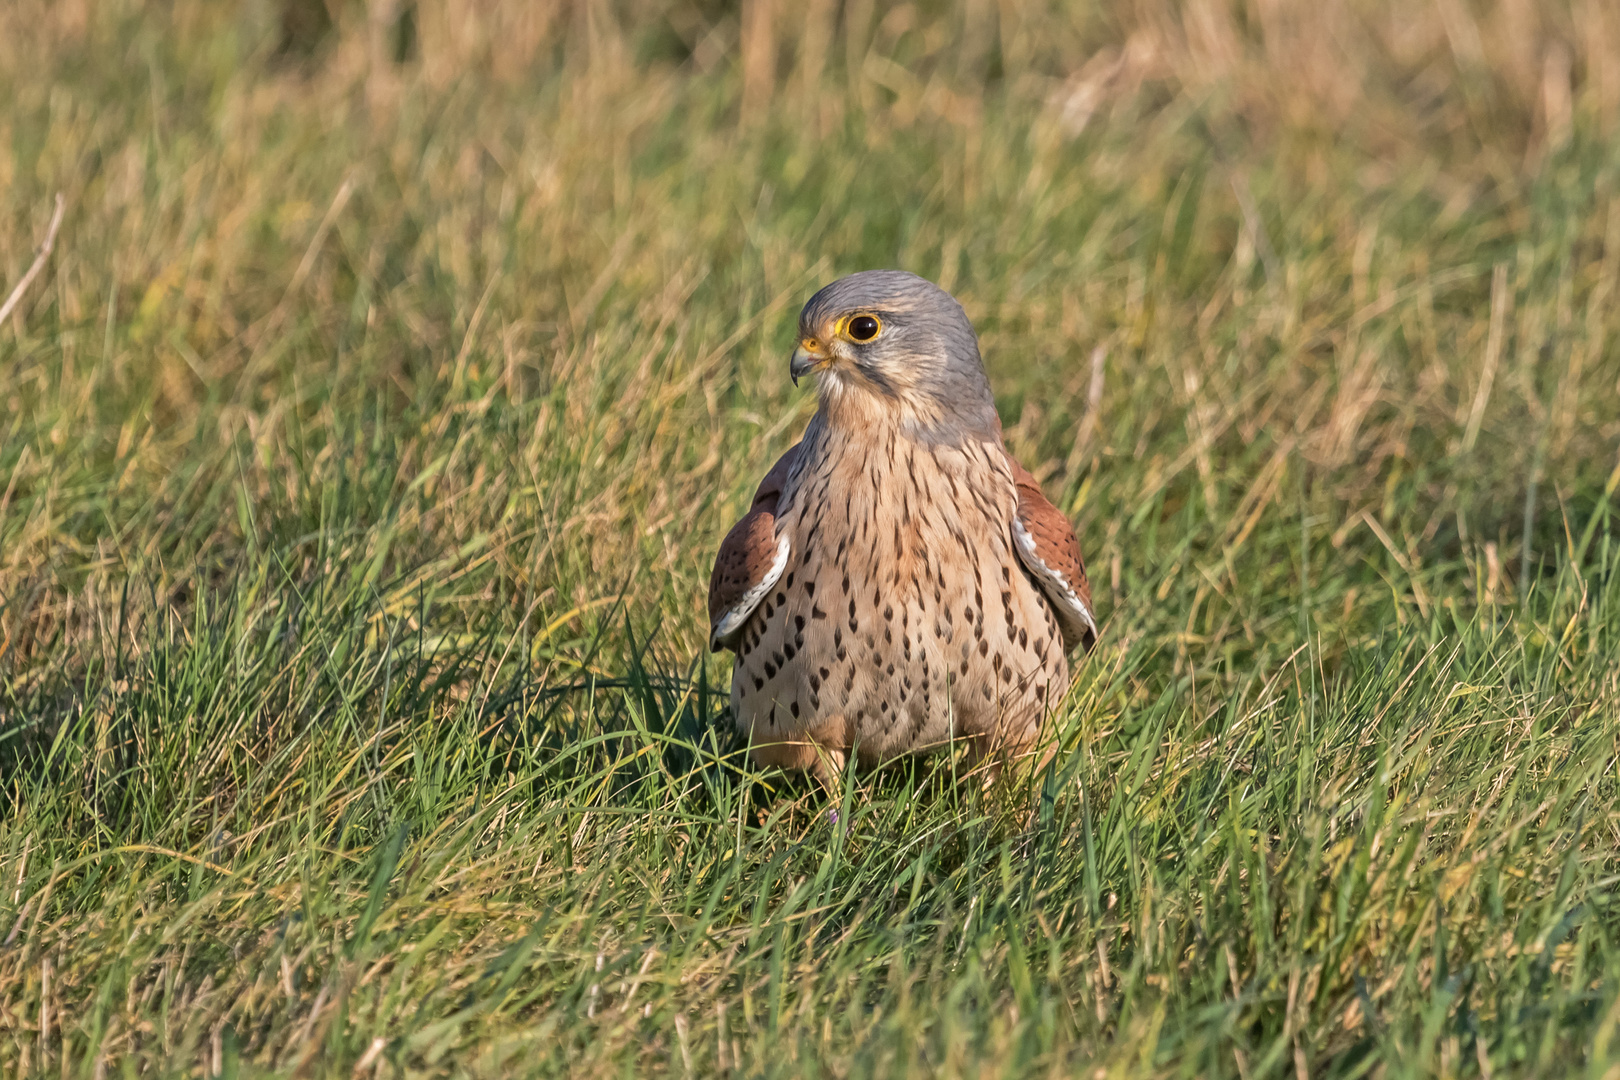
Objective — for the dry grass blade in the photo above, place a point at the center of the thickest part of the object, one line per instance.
(40, 258)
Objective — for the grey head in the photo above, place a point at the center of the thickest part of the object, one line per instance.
(888, 338)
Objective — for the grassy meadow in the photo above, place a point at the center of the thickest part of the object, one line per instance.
(366, 439)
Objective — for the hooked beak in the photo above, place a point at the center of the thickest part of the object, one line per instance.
(803, 363)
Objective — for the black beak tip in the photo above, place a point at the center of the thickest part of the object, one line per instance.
(800, 366)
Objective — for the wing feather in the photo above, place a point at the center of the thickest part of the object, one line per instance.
(750, 561)
(1050, 551)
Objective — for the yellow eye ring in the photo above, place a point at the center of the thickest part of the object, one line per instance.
(862, 328)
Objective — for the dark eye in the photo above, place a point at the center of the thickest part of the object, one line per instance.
(864, 328)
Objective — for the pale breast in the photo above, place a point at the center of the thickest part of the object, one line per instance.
(904, 619)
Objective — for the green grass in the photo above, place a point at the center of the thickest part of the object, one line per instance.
(366, 442)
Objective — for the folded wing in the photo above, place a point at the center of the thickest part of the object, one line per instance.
(1049, 550)
(751, 560)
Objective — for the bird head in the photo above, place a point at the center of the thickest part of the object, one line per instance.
(886, 339)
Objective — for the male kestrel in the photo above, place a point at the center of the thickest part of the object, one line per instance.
(899, 581)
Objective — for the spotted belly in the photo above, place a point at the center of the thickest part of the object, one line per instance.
(904, 661)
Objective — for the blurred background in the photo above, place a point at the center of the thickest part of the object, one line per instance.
(1376, 239)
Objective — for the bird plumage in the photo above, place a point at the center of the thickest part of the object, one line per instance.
(899, 581)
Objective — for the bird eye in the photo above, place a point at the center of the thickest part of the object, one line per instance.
(864, 327)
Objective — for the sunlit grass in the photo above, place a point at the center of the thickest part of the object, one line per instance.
(365, 445)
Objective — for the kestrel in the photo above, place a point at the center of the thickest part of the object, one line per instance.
(899, 581)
